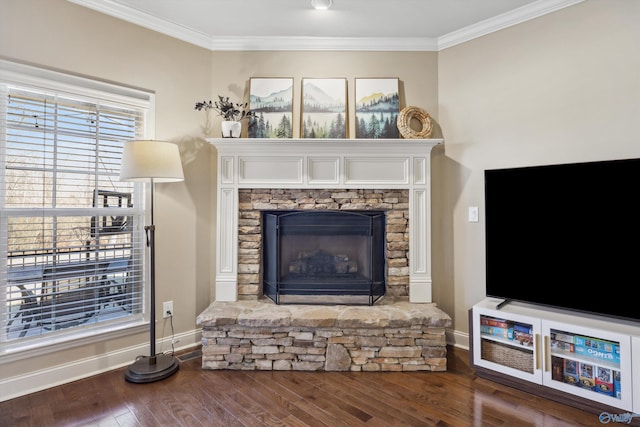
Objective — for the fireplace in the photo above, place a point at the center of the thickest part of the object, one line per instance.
(390, 175)
(318, 257)
(265, 182)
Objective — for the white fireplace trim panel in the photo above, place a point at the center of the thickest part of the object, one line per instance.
(324, 164)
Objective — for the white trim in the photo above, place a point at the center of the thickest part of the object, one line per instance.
(126, 13)
(505, 20)
(51, 80)
(47, 344)
(408, 44)
(241, 43)
(267, 164)
(32, 382)
(457, 338)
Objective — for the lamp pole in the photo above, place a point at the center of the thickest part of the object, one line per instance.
(150, 231)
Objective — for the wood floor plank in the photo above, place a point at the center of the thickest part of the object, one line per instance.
(252, 399)
(202, 406)
(305, 411)
(436, 401)
(225, 395)
(413, 404)
(384, 412)
(126, 420)
(321, 402)
(271, 404)
(140, 402)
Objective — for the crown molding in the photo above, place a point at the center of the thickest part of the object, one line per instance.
(180, 32)
(505, 20)
(325, 43)
(137, 17)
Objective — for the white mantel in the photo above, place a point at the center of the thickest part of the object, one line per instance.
(324, 164)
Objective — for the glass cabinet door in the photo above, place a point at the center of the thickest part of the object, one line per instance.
(508, 343)
(589, 363)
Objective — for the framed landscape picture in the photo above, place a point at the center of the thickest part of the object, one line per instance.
(271, 98)
(377, 108)
(324, 108)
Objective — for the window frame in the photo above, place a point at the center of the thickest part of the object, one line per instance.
(13, 73)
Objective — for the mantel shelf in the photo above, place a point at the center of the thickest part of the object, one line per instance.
(382, 145)
(416, 141)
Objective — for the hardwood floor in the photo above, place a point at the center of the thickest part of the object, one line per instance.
(196, 397)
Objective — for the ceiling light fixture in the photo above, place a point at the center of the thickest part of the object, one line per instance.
(321, 4)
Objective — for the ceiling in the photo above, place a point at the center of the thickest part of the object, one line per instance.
(422, 25)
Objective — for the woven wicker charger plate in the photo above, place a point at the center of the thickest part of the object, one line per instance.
(404, 121)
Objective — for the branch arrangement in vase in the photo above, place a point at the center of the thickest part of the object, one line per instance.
(229, 111)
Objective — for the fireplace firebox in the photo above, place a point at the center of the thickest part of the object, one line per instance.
(323, 257)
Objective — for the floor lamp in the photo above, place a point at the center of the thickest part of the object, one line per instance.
(152, 162)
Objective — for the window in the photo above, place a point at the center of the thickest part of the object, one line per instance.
(71, 235)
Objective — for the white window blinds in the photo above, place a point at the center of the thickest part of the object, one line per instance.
(72, 243)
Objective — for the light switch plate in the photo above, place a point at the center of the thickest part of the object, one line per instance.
(473, 214)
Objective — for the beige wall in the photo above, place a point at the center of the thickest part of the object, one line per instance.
(561, 88)
(417, 72)
(60, 35)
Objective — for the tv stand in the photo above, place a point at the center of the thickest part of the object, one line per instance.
(577, 359)
(503, 303)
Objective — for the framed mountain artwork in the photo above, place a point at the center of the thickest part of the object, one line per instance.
(271, 99)
(324, 108)
(377, 108)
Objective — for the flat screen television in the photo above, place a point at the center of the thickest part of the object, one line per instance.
(565, 236)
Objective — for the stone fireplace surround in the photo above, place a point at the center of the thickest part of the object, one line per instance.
(403, 331)
(395, 204)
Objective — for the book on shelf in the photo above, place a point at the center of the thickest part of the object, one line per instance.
(571, 372)
(506, 333)
(604, 381)
(523, 338)
(596, 354)
(587, 377)
(597, 344)
(523, 327)
(562, 336)
(491, 321)
(557, 368)
(617, 393)
(561, 345)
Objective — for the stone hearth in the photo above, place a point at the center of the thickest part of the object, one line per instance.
(260, 335)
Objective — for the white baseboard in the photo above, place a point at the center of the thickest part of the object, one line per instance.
(32, 382)
(457, 339)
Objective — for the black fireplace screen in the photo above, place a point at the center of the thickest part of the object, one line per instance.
(323, 256)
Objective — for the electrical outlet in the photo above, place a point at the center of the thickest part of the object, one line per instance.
(167, 309)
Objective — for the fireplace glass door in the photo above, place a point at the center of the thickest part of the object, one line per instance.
(323, 257)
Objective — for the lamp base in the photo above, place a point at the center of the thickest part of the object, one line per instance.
(143, 370)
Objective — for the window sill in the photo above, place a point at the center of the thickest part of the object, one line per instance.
(67, 340)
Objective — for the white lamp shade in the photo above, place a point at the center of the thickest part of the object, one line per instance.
(144, 161)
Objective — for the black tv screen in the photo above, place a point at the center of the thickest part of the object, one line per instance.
(565, 236)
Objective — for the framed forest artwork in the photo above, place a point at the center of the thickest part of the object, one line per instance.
(324, 108)
(377, 108)
(272, 101)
